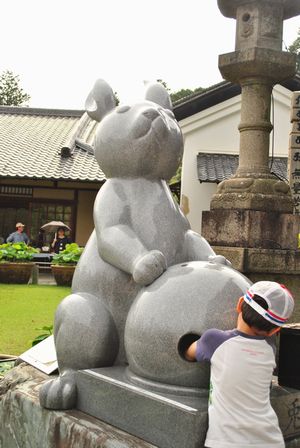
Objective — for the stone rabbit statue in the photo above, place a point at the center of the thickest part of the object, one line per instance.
(139, 233)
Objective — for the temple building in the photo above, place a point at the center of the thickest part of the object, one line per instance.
(209, 122)
(48, 170)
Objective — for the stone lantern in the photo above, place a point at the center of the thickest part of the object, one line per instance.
(251, 220)
(256, 64)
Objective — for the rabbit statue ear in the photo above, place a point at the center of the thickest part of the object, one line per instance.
(100, 101)
(158, 94)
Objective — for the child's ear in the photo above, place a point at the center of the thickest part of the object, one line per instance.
(239, 304)
(274, 331)
(100, 101)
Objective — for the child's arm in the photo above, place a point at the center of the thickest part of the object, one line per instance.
(203, 348)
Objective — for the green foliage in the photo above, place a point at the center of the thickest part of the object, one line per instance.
(70, 255)
(177, 176)
(16, 252)
(41, 337)
(11, 94)
(117, 98)
(164, 84)
(295, 48)
(182, 93)
(5, 367)
(179, 94)
(174, 184)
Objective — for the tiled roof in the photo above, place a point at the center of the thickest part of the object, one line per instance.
(42, 144)
(218, 167)
(216, 94)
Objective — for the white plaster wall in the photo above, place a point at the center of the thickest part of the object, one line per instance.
(215, 130)
(282, 124)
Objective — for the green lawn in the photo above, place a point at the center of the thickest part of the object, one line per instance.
(23, 308)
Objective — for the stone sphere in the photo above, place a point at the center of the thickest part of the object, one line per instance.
(174, 311)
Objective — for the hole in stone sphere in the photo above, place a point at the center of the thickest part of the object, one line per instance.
(185, 341)
(246, 17)
(184, 264)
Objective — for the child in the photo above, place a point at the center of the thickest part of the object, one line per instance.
(242, 364)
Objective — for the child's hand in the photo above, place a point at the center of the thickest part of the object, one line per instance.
(190, 354)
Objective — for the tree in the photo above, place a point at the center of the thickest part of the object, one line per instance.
(179, 94)
(11, 94)
(182, 93)
(117, 98)
(295, 48)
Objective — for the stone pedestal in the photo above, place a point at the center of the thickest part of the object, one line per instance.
(251, 229)
(168, 421)
(262, 245)
(165, 420)
(25, 424)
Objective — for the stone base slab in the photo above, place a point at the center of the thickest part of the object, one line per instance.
(24, 424)
(251, 229)
(164, 420)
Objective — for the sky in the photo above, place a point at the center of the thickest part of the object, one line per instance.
(60, 47)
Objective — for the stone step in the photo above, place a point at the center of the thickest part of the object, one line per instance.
(159, 418)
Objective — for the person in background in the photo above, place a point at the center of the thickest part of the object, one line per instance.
(60, 240)
(40, 239)
(19, 236)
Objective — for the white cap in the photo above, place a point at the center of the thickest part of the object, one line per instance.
(279, 299)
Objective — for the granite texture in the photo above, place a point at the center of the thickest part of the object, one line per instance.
(229, 8)
(24, 424)
(257, 63)
(168, 421)
(263, 261)
(251, 229)
(162, 419)
(186, 300)
(139, 233)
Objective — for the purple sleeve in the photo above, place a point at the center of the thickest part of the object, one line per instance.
(210, 341)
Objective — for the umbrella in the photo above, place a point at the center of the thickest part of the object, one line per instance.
(52, 226)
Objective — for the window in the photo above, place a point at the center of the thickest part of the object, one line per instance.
(33, 215)
(41, 213)
(9, 216)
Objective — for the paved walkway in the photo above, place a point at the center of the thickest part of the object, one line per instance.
(46, 278)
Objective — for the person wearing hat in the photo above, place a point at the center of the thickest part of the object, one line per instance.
(19, 236)
(60, 240)
(242, 363)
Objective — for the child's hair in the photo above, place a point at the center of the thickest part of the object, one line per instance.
(253, 319)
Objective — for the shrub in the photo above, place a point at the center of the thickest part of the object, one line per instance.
(16, 252)
(69, 256)
(47, 331)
